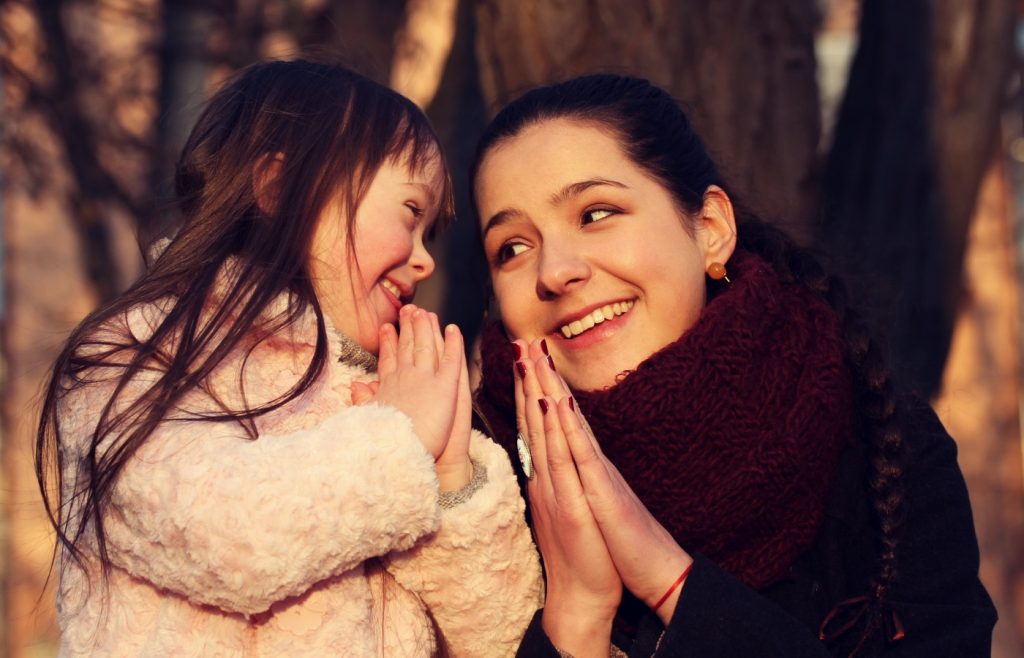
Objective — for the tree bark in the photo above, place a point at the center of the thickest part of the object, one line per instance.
(914, 136)
(744, 68)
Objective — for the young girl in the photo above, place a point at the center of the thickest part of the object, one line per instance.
(751, 485)
(226, 472)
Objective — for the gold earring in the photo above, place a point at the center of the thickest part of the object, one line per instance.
(717, 272)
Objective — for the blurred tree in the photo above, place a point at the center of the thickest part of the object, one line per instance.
(744, 69)
(98, 96)
(916, 131)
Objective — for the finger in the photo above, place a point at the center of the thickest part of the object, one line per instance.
(587, 430)
(565, 481)
(463, 404)
(551, 382)
(424, 353)
(361, 393)
(517, 379)
(438, 334)
(453, 356)
(405, 335)
(579, 439)
(387, 356)
(533, 429)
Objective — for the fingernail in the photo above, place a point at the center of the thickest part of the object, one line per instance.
(519, 351)
(551, 364)
(572, 403)
(521, 369)
(543, 406)
(544, 345)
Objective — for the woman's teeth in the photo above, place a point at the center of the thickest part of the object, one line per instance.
(392, 288)
(595, 317)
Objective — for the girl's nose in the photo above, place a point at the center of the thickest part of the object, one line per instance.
(560, 269)
(421, 262)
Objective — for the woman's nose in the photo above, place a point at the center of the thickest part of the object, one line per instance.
(561, 268)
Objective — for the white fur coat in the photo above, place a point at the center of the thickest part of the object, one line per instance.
(223, 545)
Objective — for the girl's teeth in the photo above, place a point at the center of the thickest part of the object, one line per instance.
(392, 288)
(595, 317)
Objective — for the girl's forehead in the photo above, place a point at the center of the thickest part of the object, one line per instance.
(425, 167)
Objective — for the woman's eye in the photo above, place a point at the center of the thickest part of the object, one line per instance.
(508, 251)
(596, 215)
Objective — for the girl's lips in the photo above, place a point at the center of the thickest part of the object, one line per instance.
(391, 297)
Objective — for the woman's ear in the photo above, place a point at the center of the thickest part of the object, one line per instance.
(266, 176)
(717, 226)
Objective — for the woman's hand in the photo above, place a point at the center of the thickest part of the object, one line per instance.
(645, 555)
(423, 374)
(583, 587)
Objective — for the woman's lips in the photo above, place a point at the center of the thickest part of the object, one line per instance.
(595, 317)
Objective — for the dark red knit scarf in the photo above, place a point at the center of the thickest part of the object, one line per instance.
(730, 436)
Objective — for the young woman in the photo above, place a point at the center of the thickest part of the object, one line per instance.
(714, 456)
(229, 468)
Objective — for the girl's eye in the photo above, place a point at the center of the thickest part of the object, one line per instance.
(508, 251)
(416, 210)
(596, 215)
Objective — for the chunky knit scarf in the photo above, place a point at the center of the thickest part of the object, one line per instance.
(730, 436)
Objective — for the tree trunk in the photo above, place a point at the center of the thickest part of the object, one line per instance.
(914, 136)
(744, 68)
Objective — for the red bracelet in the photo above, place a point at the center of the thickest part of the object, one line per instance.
(679, 581)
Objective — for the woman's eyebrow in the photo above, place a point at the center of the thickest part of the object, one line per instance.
(575, 189)
(501, 217)
(561, 196)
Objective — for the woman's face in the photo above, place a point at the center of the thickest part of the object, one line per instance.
(590, 252)
(359, 295)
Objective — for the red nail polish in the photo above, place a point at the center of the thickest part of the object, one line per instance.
(543, 406)
(572, 403)
(551, 364)
(519, 351)
(544, 345)
(521, 368)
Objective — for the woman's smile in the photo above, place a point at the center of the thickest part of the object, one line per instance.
(589, 251)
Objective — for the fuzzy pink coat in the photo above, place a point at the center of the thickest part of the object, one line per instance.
(226, 546)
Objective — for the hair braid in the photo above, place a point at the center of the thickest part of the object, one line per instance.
(875, 396)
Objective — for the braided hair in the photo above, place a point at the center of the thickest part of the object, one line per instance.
(655, 133)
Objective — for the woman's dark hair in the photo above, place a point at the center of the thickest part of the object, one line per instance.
(655, 133)
(327, 130)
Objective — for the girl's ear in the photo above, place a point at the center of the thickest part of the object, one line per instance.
(717, 227)
(266, 175)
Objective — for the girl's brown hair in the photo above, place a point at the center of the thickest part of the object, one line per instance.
(331, 130)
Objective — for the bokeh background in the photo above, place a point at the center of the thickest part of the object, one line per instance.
(890, 135)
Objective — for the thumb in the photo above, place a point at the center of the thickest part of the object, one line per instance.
(363, 393)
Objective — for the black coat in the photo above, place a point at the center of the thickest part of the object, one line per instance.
(944, 608)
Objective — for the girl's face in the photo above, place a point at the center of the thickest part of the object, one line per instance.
(590, 252)
(359, 295)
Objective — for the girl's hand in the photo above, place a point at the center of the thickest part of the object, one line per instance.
(583, 587)
(419, 374)
(454, 470)
(645, 555)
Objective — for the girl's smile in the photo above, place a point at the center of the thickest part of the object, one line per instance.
(360, 293)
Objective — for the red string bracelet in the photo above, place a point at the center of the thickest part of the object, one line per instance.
(679, 581)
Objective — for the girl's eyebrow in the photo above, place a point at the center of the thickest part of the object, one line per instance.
(426, 189)
(561, 196)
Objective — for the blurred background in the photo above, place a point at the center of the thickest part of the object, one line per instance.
(889, 135)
